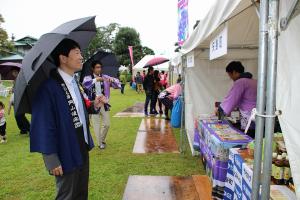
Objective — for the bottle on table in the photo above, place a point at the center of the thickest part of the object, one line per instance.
(278, 171)
(286, 171)
(274, 157)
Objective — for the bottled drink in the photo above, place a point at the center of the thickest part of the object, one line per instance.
(278, 170)
(286, 171)
(274, 157)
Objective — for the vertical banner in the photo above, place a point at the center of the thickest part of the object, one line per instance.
(131, 55)
(183, 25)
(218, 46)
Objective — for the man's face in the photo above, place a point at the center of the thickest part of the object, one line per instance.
(97, 69)
(151, 71)
(73, 61)
(234, 75)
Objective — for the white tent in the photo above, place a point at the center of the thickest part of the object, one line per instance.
(207, 81)
(139, 66)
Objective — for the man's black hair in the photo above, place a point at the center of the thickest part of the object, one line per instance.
(150, 69)
(235, 66)
(95, 62)
(63, 48)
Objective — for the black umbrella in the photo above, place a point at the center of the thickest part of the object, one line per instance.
(36, 65)
(110, 64)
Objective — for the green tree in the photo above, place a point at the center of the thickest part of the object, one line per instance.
(103, 40)
(126, 37)
(6, 46)
(147, 51)
(129, 37)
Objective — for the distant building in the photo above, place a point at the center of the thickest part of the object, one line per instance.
(24, 44)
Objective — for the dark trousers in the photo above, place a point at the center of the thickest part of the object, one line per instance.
(3, 130)
(122, 88)
(147, 101)
(153, 102)
(74, 185)
(23, 123)
(168, 103)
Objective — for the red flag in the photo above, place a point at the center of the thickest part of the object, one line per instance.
(131, 55)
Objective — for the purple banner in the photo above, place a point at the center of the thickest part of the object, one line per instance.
(183, 25)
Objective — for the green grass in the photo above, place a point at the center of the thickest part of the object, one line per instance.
(23, 175)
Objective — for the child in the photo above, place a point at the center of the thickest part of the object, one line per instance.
(2, 124)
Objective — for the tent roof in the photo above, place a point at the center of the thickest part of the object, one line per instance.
(239, 15)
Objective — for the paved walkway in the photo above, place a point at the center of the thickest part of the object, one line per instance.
(155, 136)
(168, 188)
(136, 110)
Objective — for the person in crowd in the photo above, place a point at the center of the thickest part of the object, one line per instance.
(242, 95)
(22, 122)
(139, 82)
(60, 124)
(3, 138)
(156, 90)
(168, 96)
(148, 85)
(143, 75)
(163, 79)
(178, 78)
(123, 79)
(98, 84)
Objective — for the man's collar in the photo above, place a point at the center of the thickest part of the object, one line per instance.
(66, 77)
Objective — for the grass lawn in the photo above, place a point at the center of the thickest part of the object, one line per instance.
(23, 175)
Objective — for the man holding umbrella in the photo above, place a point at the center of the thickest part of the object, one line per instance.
(98, 84)
(60, 128)
(46, 88)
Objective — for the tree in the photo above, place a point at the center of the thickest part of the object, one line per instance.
(126, 37)
(103, 40)
(129, 37)
(6, 47)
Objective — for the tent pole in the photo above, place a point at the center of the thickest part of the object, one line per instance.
(260, 103)
(270, 96)
(182, 127)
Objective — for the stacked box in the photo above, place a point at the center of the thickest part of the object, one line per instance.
(237, 173)
(247, 180)
(229, 183)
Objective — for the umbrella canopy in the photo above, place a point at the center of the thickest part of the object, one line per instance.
(9, 70)
(156, 61)
(37, 63)
(110, 64)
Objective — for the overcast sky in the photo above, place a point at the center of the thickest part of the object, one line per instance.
(155, 20)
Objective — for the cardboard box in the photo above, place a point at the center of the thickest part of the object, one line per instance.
(238, 194)
(246, 190)
(228, 194)
(247, 175)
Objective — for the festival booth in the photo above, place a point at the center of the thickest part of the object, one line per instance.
(207, 82)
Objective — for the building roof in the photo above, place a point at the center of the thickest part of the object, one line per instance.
(13, 57)
(27, 40)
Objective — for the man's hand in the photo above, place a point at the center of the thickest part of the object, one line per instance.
(100, 101)
(57, 171)
(99, 79)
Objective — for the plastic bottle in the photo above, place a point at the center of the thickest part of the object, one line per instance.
(286, 171)
(278, 171)
(274, 157)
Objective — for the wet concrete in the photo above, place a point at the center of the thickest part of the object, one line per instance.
(168, 188)
(155, 136)
(137, 110)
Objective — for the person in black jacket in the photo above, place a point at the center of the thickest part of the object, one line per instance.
(148, 85)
